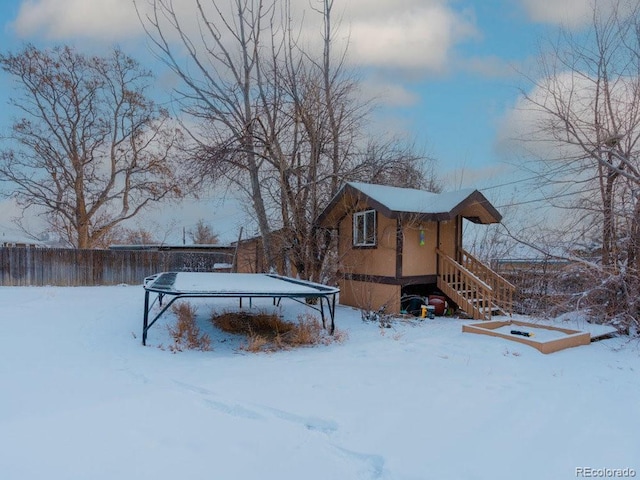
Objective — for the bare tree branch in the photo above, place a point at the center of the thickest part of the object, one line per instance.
(91, 150)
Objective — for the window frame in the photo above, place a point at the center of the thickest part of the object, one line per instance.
(365, 216)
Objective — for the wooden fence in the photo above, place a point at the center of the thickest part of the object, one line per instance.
(68, 267)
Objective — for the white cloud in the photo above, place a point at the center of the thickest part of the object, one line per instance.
(407, 34)
(388, 94)
(62, 19)
(419, 37)
(570, 13)
(523, 131)
(527, 128)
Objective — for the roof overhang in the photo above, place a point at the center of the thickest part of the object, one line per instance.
(475, 207)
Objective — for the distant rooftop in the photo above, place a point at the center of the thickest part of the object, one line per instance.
(11, 236)
(216, 247)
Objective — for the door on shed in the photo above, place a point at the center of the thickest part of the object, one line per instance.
(450, 237)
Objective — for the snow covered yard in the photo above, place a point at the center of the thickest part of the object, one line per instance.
(82, 399)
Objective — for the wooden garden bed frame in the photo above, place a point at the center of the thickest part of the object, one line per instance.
(573, 338)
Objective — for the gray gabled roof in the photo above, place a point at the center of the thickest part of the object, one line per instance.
(410, 200)
(395, 202)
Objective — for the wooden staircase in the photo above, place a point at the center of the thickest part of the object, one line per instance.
(479, 291)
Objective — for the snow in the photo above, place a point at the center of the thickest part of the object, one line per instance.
(537, 334)
(577, 321)
(249, 283)
(220, 266)
(82, 399)
(413, 200)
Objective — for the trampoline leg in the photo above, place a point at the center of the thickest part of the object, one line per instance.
(146, 325)
(145, 319)
(332, 312)
(322, 311)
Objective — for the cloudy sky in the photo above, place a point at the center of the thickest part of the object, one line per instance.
(445, 71)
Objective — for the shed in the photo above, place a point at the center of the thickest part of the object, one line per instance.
(396, 243)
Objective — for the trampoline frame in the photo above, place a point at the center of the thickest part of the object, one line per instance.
(163, 284)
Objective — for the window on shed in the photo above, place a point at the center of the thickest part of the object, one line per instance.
(364, 228)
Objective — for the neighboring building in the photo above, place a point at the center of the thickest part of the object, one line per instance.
(250, 255)
(217, 258)
(12, 237)
(220, 249)
(395, 243)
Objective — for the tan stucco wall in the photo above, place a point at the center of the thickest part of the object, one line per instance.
(419, 259)
(371, 296)
(379, 260)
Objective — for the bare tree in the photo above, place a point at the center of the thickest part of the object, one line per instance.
(314, 131)
(221, 81)
(314, 100)
(588, 108)
(89, 148)
(285, 125)
(136, 236)
(397, 164)
(203, 234)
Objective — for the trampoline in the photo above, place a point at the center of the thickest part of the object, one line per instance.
(234, 285)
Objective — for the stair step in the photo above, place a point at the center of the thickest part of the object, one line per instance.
(465, 293)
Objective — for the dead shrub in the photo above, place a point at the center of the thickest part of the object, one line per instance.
(269, 332)
(308, 331)
(185, 332)
(246, 323)
(255, 343)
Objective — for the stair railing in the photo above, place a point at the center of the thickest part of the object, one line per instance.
(503, 290)
(473, 295)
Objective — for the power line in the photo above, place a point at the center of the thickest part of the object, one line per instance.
(552, 197)
(535, 177)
